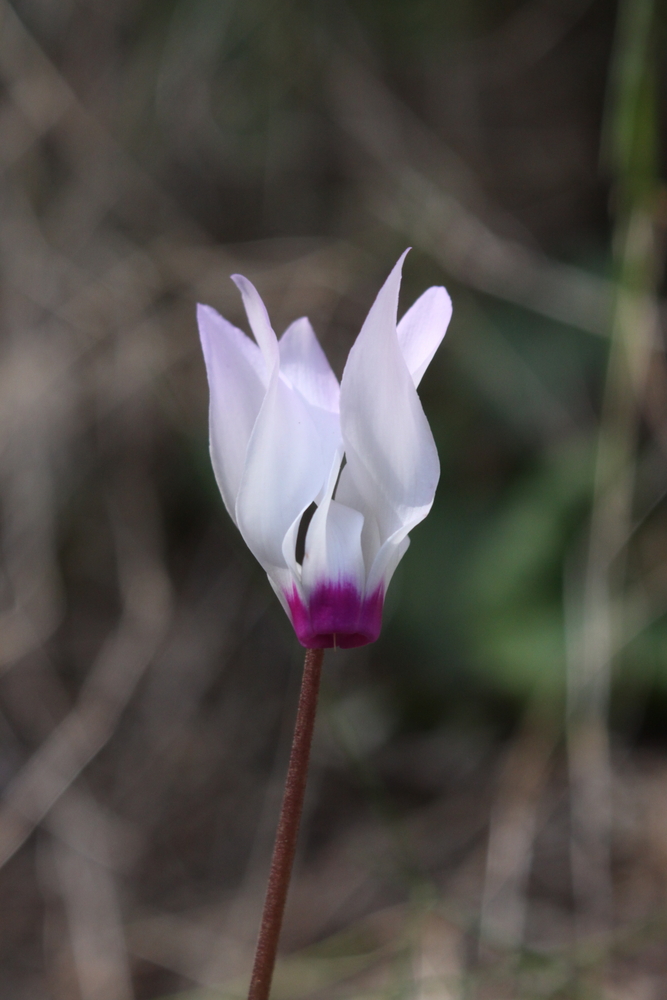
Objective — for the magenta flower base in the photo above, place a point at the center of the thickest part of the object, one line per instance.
(336, 615)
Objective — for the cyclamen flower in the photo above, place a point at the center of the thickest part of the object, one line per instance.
(281, 427)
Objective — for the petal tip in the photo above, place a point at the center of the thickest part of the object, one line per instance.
(401, 259)
(442, 293)
(241, 282)
(246, 288)
(205, 316)
(205, 312)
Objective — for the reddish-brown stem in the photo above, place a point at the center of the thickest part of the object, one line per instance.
(288, 829)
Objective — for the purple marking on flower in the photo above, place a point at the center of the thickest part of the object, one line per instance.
(336, 615)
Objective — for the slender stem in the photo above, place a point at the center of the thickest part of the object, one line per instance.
(288, 829)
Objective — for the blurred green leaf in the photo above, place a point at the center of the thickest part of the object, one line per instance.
(514, 584)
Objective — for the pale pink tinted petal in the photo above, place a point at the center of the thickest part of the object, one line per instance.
(235, 373)
(422, 328)
(284, 472)
(258, 317)
(391, 454)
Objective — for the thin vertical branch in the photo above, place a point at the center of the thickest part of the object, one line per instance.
(288, 829)
(630, 140)
(514, 821)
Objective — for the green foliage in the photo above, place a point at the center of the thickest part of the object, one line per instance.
(514, 586)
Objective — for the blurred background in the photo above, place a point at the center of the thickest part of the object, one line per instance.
(487, 806)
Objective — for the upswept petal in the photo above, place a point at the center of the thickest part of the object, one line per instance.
(283, 584)
(422, 328)
(386, 561)
(333, 548)
(348, 493)
(332, 552)
(304, 364)
(391, 454)
(236, 377)
(279, 426)
(380, 558)
(284, 472)
(258, 317)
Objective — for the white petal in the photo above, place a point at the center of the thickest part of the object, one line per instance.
(422, 329)
(236, 377)
(304, 364)
(324, 495)
(388, 443)
(333, 548)
(387, 560)
(332, 552)
(347, 493)
(283, 584)
(284, 472)
(258, 317)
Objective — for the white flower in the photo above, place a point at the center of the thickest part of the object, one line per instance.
(280, 426)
